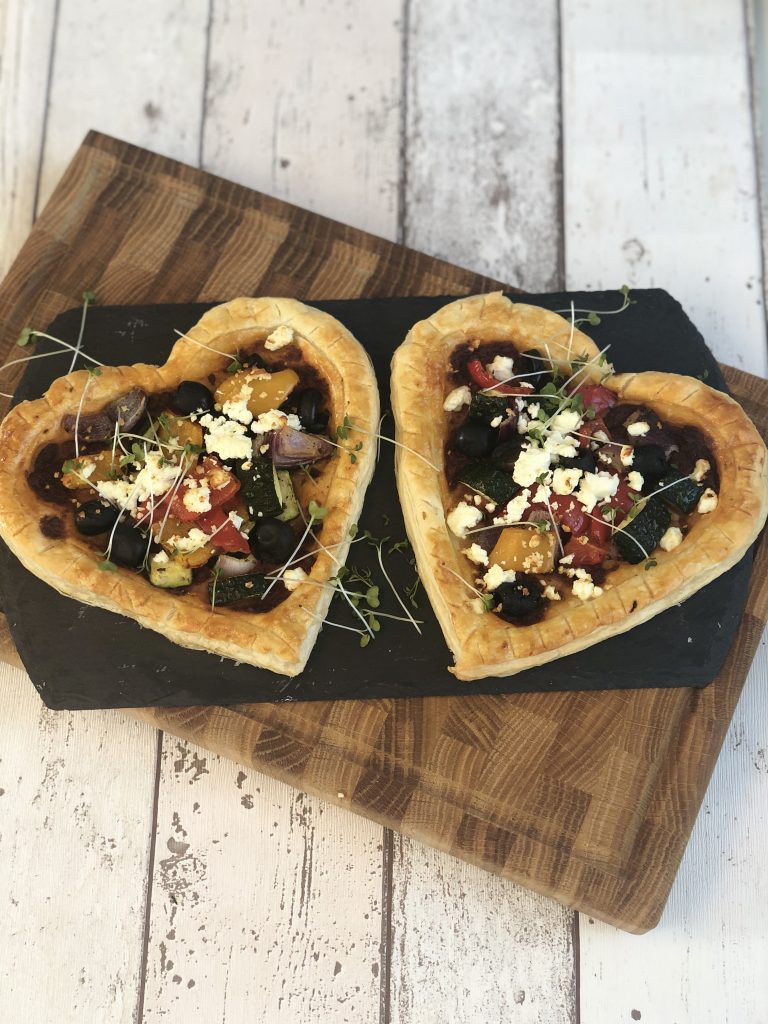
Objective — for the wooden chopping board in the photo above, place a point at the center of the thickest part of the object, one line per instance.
(585, 797)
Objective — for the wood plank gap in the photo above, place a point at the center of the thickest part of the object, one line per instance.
(44, 133)
(402, 201)
(206, 79)
(576, 977)
(560, 165)
(139, 1014)
(385, 963)
(750, 43)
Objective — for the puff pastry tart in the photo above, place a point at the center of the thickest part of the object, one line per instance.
(203, 498)
(552, 504)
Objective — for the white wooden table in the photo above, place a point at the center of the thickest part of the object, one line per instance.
(586, 144)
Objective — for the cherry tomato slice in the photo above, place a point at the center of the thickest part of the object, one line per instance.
(483, 379)
(595, 395)
(227, 536)
(569, 513)
(585, 552)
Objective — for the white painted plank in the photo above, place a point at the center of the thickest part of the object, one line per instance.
(471, 947)
(481, 189)
(482, 152)
(660, 179)
(303, 103)
(266, 902)
(26, 34)
(134, 70)
(75, 806)
(705, 962)
(660, 189)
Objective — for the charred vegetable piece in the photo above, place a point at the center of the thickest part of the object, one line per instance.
(192, 396)
(224, 591)
(90, 469)
(636, 538)
(684, 495)
(95, 517)
(524, 550)
(298, 448)
(168, 573)
(259, 389)
(518, 600)
(174, 430)
(488, 480)
(260, 488)
(100, 426)
(290, 505)
(486, 408)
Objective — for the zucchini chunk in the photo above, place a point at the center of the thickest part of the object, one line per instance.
(260, 488)
(685, 494)
(167, 572)
(639, 536)
(287, 496)
(485, 408)
(488, 480)
(236, 588)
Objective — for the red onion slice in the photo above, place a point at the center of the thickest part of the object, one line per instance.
(228, 566)
(296, 448)
(100, 426)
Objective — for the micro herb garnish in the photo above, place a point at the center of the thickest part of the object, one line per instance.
(214, 584)
(342, 431)
(593, 317)
(542, 526)
(316, 512)
(400, 545)
(25, 337)
(352, 531)
(651, 563)
(89, 298)
(234, 366)
(107, 566)
(703, 376)
(69, 466)
(137, 455)
(412, 590)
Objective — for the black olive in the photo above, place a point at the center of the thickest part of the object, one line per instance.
(475, 440)
(191, 396)
(272, 541)
(128, 546)
(649, 461)
(533, 362)
(506, 454)
(254, 360)
(95, 517)
(309, 412)
(584, 460)
(520, 599)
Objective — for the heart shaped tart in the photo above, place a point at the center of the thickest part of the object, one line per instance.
(551, 503)
(204, 498)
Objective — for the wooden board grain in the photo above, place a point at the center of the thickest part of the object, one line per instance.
(451, 773)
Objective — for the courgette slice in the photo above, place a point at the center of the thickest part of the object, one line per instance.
(167, 572)
(224, 591)
(684, 494)
(260, 488)
(488, 480)
(637, 537)
(486, 408)
(290, 504)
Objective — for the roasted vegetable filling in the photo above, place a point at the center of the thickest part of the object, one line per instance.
(215, 486)
(554, 482)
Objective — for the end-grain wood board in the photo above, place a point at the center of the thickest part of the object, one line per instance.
(585, 797)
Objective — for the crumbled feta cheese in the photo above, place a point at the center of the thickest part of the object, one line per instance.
(514, 509)
(541, 496)
(85, 467)
(700, 470)
(560, 445)
(491, 506)
(237, 407)
(534, 409)
(225, 437)
(236, 519)
(155, 477)
(600, 435)
(161, 558)
(463, 518)
(635, 480)
(530, 464)
(496, 421)
(293, 577)
(455, 399)
(566, 560)
(496, 576)
(564, 480)
(274, 419)
(672, 539)
(596, 487)
(279, 338)
(197, 499)
(638, 429)
(566, 421)
(585, 589)
(627, 455)
(551, 594)
(522, 424)
(502, 367)
(476, 554)
(194, 540)
(707, 502)
(120, 492)
(477, 604)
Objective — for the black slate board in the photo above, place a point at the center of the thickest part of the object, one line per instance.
(83, 657)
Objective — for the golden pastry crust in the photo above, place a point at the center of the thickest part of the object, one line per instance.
(280, 639)
(486, 645)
